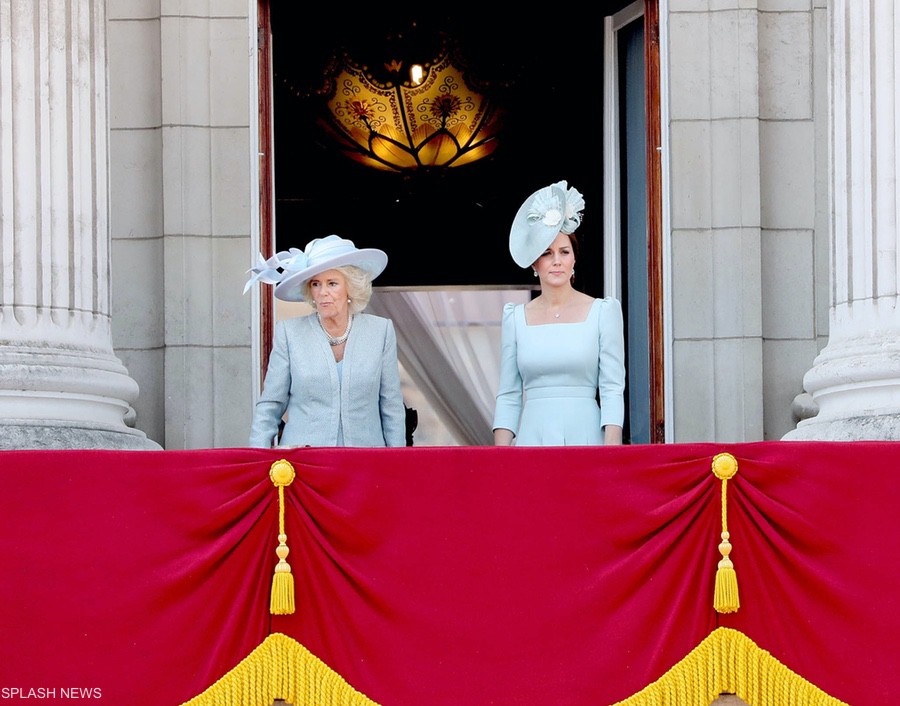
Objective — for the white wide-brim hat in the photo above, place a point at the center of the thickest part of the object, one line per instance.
(545, 214)
(324, 254)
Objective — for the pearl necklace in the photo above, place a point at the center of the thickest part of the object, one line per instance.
(339, 339)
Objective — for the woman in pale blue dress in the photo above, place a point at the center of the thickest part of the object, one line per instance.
(562, 367)
(333, 373)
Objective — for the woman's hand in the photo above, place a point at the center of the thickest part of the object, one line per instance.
(612, 435)
(503, 437)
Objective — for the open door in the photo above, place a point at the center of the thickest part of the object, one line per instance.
(632, 230)
(626, 171)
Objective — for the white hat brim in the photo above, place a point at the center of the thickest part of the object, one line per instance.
(372, 260)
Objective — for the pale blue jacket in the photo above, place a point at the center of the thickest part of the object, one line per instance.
(302, 379)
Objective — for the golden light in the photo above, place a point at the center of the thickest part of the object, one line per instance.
(402, 126)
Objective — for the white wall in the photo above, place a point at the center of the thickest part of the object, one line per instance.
(136, 203)
(748, 228)
(181, 103)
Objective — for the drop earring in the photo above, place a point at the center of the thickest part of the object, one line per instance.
(534, 272)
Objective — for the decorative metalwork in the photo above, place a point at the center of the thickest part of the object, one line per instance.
(399, 126)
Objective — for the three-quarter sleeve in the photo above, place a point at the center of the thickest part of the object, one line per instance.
(393, 412)
(612, 363)
(509, 391)
(274, 398)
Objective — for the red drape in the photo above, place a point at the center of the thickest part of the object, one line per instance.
(447, 575)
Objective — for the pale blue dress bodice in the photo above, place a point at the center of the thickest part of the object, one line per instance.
(552, 374)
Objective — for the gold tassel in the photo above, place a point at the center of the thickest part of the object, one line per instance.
(726, 599)
(282, 599)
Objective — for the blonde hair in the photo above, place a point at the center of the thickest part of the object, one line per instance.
(359, 287)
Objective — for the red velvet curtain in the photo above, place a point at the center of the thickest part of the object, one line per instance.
(447, 575)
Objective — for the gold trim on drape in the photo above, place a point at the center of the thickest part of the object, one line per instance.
(729, 662)
(281, 668)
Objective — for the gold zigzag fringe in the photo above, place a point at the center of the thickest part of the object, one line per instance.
(729, 662)
(726, 662)
(281, 668)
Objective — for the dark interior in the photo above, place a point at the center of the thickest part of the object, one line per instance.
(446, 227)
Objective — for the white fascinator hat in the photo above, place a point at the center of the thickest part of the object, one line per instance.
(290, 269)
(545, 214)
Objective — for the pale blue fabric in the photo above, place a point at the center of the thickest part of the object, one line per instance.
(550, 376)
(362, 407)
(340, 372)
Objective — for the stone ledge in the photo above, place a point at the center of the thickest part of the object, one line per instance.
(60, 436)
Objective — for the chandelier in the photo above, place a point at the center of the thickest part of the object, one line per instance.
(417, 117)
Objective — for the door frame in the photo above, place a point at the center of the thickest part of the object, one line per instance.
(657, 314)
(613, 245)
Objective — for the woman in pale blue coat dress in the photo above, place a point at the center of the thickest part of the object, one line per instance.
(335, 372)
(562, 351)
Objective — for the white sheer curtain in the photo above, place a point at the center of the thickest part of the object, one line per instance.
(449, 343)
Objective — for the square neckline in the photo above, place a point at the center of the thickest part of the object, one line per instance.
(560, 323)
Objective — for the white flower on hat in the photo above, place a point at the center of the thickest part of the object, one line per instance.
(546, 208)
(574, 207)
(552, 217)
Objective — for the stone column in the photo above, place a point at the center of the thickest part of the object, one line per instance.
(61, 385)
(855, 380)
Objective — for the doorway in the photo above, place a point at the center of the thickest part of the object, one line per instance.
(450, 228)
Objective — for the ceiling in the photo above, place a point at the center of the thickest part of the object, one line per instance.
(448, 228)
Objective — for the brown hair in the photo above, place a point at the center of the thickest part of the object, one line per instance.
(576, 244)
